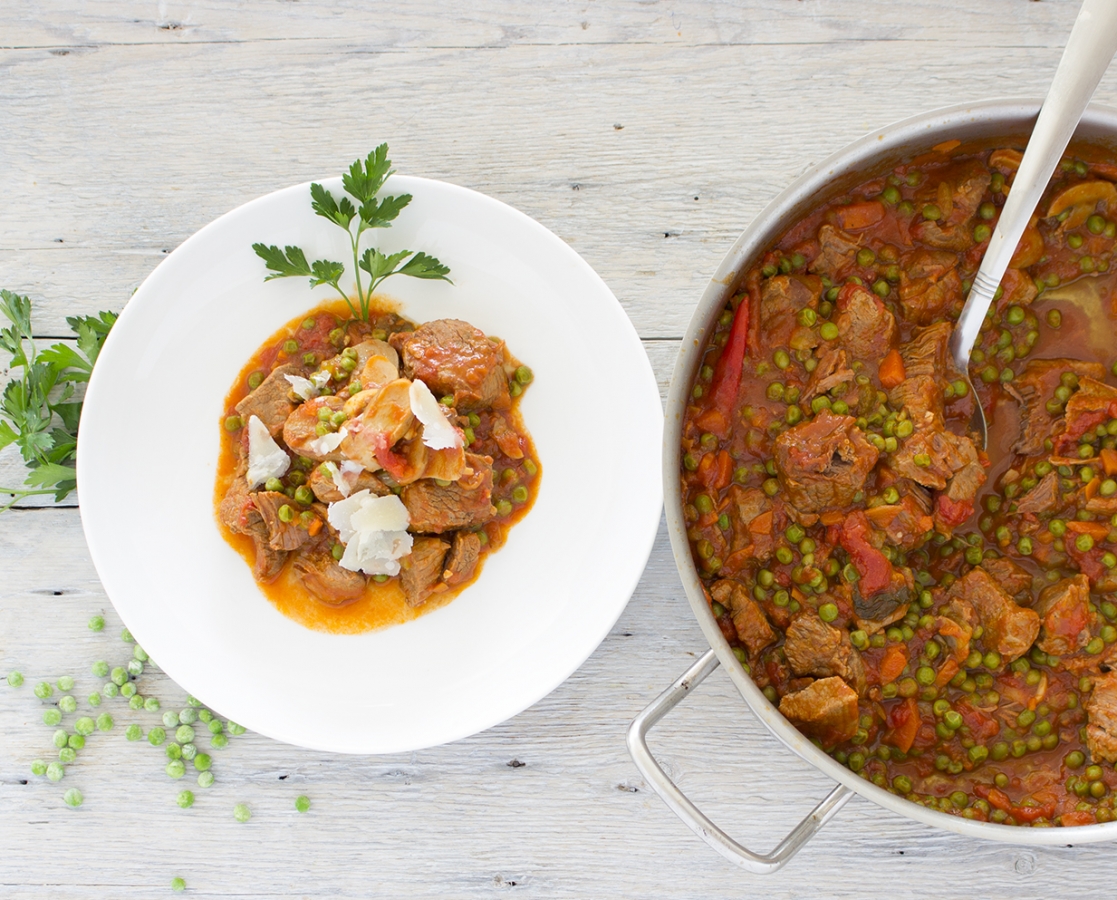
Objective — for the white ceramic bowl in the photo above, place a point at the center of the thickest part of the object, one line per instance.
(149, 448)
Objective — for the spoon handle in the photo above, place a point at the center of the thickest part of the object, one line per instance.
(1091, 46)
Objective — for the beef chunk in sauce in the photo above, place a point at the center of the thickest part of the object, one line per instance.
(324, 578)
(815, 648)
(239, 514)
(749, 621)
(822, 464)
(466, 503)
(781, 298)
(865, 326)
(421, 570)
(825, 709)
(929, 284)
(942, 461)
(1008, 628)
(1014, 578)
(1066, 617)
(1033, 388)
(837, 250)
(1093, 404)
(832, 370)
(454, 358)
(281, 535)
(465, 551)
(1101, 714)
(269, 402)
(1041, 499)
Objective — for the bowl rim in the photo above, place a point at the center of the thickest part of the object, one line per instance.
(988, 119)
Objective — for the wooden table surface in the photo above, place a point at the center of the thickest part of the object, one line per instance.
(646, 135)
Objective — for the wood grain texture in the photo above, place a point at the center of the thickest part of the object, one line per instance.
(647, 135)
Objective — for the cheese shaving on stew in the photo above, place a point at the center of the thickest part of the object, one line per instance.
(327, 443)
(266, 459)
(438, 433)
(306, 388)
(374, 532)
(344, 477)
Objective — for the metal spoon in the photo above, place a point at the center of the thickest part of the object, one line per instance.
(1092, 43)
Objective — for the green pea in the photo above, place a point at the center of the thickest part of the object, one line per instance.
(241, 812)
(105, 722)
(185, 799)
(828, 612)
(233, 423)
(829, 331)
(176, 768)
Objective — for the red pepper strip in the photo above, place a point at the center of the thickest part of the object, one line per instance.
(727, 373)
(872, 565)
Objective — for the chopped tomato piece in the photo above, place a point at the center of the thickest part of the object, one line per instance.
(872, 565)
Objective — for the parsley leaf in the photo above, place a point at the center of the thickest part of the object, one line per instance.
(37, 412)
(283, 264)
(363, 182)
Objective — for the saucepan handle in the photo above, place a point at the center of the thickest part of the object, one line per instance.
(695, 820)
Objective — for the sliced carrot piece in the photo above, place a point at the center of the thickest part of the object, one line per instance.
(1109, 461)
(893, 662)
(860, 215)
(892, 373)
(762, 524)
(1099, 531)
(947, 146)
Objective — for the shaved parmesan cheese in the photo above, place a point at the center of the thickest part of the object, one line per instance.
(438, 433)
(306, 388)
(266, 459)
(346, 476)
(374, 532)
(327, 443)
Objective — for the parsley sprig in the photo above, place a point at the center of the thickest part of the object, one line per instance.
(39, 411)
(362, 182)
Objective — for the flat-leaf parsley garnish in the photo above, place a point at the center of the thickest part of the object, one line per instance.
(362, 182)
(38, 411)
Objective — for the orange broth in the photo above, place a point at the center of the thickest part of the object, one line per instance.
(383, 604)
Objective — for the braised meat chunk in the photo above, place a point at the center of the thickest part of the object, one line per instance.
(421, 570)
(815, 648)
(822, 464)
(1008, 628)
(749, 621)
(865, 326)
(1101, 711)
(825, 709)
(324, 578)
(269, 402)
(453, 358)
(1066, 616)
(467, 503)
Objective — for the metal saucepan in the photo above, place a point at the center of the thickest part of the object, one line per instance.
(991, 122)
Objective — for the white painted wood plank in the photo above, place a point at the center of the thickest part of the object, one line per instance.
(25, 23)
